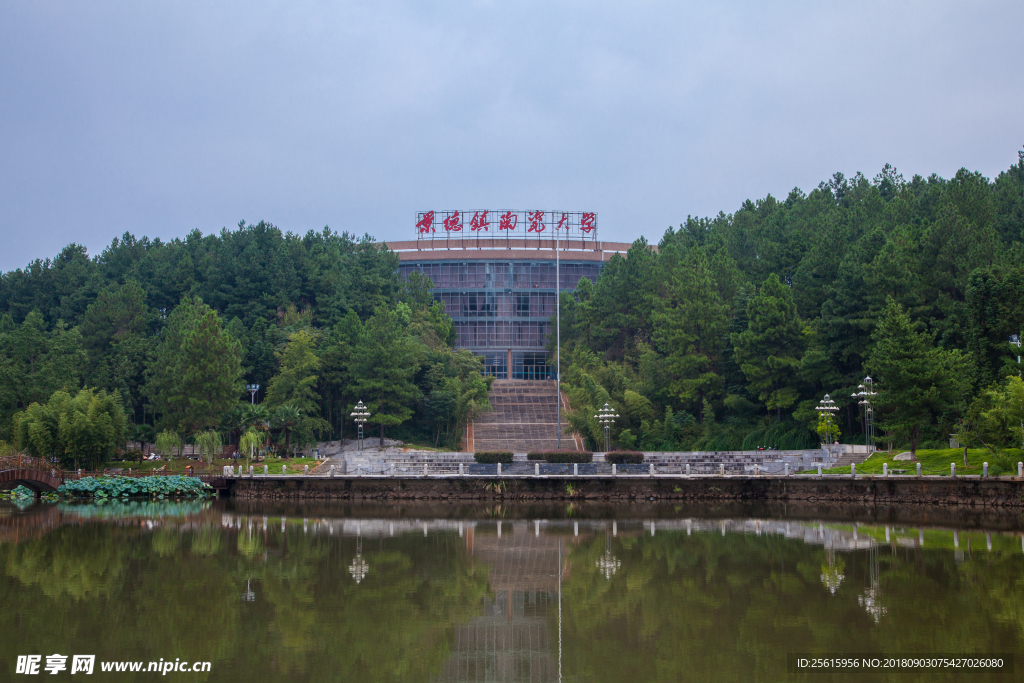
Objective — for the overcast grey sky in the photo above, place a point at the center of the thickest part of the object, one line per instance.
(161, 117)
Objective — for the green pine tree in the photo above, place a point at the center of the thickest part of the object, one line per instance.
(769, 350)
(384, 365)
(196, 373)
(916, 382)
(295, 386)
(692, 331)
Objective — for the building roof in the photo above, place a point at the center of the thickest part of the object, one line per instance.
(498, 249)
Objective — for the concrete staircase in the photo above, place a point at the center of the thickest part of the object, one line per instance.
(524, 419)
(851, 458)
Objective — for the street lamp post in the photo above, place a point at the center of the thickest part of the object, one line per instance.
(825, 410)
(867, 390)
(1016, 341)
(252, 389)
(606, 416)
(558, 341)
(360, 414)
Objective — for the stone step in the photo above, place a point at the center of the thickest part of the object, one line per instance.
(524, 418)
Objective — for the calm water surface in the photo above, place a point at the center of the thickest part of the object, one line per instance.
(272, 593)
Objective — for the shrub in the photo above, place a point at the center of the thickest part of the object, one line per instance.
(123, 487)
(492, 457)
(562, 456)
(624, 457)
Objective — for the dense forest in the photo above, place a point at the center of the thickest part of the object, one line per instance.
(731, 332)
(727, 335)
(176, 330)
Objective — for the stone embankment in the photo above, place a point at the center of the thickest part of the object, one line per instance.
(868, 490)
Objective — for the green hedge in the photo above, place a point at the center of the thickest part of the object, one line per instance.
(624, 457)
(562, 456)
(492, 457)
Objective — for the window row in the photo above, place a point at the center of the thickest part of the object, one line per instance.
(525, 365)
(480, 334)
(498, 304)
(483, 274)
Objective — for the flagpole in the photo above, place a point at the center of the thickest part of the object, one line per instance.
(558, 340)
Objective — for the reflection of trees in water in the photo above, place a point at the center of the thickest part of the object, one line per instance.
(69, 563)
(714, 607)
(706, 605)
(113, 590)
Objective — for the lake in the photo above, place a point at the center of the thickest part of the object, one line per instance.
(272, 592)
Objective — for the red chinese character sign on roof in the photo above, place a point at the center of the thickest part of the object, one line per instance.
(479, 221)
(425, 222)
(535, 224)
(536, 219)
(453, 222)
(588, 222)
(509, 221)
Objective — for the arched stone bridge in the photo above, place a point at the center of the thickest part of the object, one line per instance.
(34, 473)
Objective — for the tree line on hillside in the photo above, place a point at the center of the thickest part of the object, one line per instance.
(156, 341)
(725, 337)
(730, 333)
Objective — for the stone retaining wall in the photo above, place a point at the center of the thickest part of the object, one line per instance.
(945, 491)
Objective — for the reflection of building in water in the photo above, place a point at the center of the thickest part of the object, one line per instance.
(515, 639)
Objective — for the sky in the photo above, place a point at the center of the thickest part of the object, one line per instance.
(158, 118)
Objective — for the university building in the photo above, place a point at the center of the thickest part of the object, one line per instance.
(495, 273)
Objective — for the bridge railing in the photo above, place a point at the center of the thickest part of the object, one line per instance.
(27, 462)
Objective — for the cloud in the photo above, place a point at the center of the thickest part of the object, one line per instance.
(157, 118)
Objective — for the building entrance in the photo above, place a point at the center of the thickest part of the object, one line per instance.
(495, 364)
(531, 365)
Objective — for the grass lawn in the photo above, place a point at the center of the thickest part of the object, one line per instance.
(178, 465)
(936, 461)
(937, 538)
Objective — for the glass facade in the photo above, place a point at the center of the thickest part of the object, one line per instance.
(503, 309)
